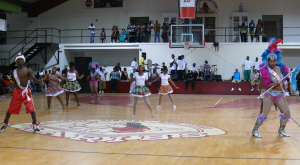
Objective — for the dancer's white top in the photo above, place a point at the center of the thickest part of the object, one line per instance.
(164, 79)
(71, 76)
(140, 80)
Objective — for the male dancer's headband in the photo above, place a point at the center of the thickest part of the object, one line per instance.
(20, 56)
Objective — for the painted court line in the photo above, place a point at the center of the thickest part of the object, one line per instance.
(178, 156)
(295, 121)
(217, 102)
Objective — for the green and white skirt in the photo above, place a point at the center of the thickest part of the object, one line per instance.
(140, 91)
(72, 86)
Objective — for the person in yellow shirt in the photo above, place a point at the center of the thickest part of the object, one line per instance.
(142, 60)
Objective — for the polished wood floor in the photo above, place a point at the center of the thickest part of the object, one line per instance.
(233, 114)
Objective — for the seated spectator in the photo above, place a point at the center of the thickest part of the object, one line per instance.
(236, 79)
(114, 78)
(102, 35)
(5, 85)
(254, 80)
(123, 36)
(162, 67)
(194, 71)
(123, 76)
(189, 78)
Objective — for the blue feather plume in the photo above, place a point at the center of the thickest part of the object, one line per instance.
(293, 81)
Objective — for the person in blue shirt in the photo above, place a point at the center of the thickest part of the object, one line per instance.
(236, 79)
(251, 29)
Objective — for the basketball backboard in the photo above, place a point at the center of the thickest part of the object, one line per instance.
(194, 33)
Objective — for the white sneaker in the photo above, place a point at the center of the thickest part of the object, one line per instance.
(232, 89)
(99, 91)
(174, 106)
(240, 89)
(102, 91)
(252, 89)
(158, 107)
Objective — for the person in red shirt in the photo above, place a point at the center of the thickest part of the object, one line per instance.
(5, 85)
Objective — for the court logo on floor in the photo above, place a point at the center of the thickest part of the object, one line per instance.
(111, 131)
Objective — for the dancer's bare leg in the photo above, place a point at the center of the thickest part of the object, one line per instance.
(160, 98)
(49, 98)
(67, 98)
(171, 98)
(134, 105)
(60, 100)
(267, 106)
(76, 98)
(149, 106)
(283, 106)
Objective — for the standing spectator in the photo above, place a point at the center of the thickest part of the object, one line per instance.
(163, 67)
(131, 30)
(173, 31)
(118, 67)
(149, 27)
(134, 64)
(39, 86)
(243, 32)
(173, 66)
(113, 34)
(247, 69)
(298, 82)
(142, 60)
(103, 35)
(194, 71)
(156, 31)
(236, 79)
(189, 78)
(164, 35)
(132, 82)
(92, 28)
(143, 31)
(254, 79)
(114, 78)
(124, 74)
(256, 64)
(102, 81)
(137, 30)
(251, 29)
(180, 69)
(258, 30)
(185, 64)
(123, 36)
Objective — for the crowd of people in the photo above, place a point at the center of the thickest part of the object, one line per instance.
(254, 30)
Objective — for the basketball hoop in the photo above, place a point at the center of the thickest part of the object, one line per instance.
(186, 45)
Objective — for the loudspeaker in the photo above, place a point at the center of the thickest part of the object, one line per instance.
(217, 77)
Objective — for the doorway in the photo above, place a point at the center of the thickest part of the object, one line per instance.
(273, 26)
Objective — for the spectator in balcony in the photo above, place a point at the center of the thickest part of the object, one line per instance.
(243, 32)
(251, 30)
(137, 30)
(123, 36)
(114, 34)
(149, 27)
(114, 78)
(103, 35)
(143, 31)
(156, 31)
(164, 35)
(236, 79)
(247, 69)
(92, 28)
(118, 67)
(131, 30)
(258, 30)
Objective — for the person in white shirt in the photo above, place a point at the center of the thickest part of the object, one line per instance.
(194, 71)
(254, 80)
(247, 69)
(134, 64)
(41, 73)
(185, 64)
(255, 64)
(140, 89)
(180, 69)
(102, 81)
(173, 66)
(165, 88)
(92, 28)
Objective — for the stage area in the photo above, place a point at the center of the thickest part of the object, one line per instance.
(204, 129)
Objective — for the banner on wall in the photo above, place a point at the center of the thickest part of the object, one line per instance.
(207, 7)
(88, 4)
(187, 9)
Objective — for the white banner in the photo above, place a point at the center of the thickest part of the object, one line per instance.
(187, 3)
(88, 4)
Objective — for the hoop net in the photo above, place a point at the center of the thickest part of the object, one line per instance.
(186, 45)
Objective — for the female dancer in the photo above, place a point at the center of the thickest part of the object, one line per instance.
(271, 73)
(53, 87)
(72, 84)
(165, 88)
(93, 79)
(141, 90)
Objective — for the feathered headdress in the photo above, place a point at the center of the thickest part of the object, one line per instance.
(272, 52)
(93, 64)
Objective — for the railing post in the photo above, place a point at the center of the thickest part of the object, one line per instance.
(51, 34)
(225, 34)
(81, 36)
(59, 36)
(45, 36)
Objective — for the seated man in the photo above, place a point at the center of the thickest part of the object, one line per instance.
(254, 79)
(236, 79)
(189, 78)
(194, 71)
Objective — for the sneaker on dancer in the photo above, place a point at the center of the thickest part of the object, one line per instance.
(165, 88)
(252, 89)
(21, 92)
(158, 107)
(36, 128)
